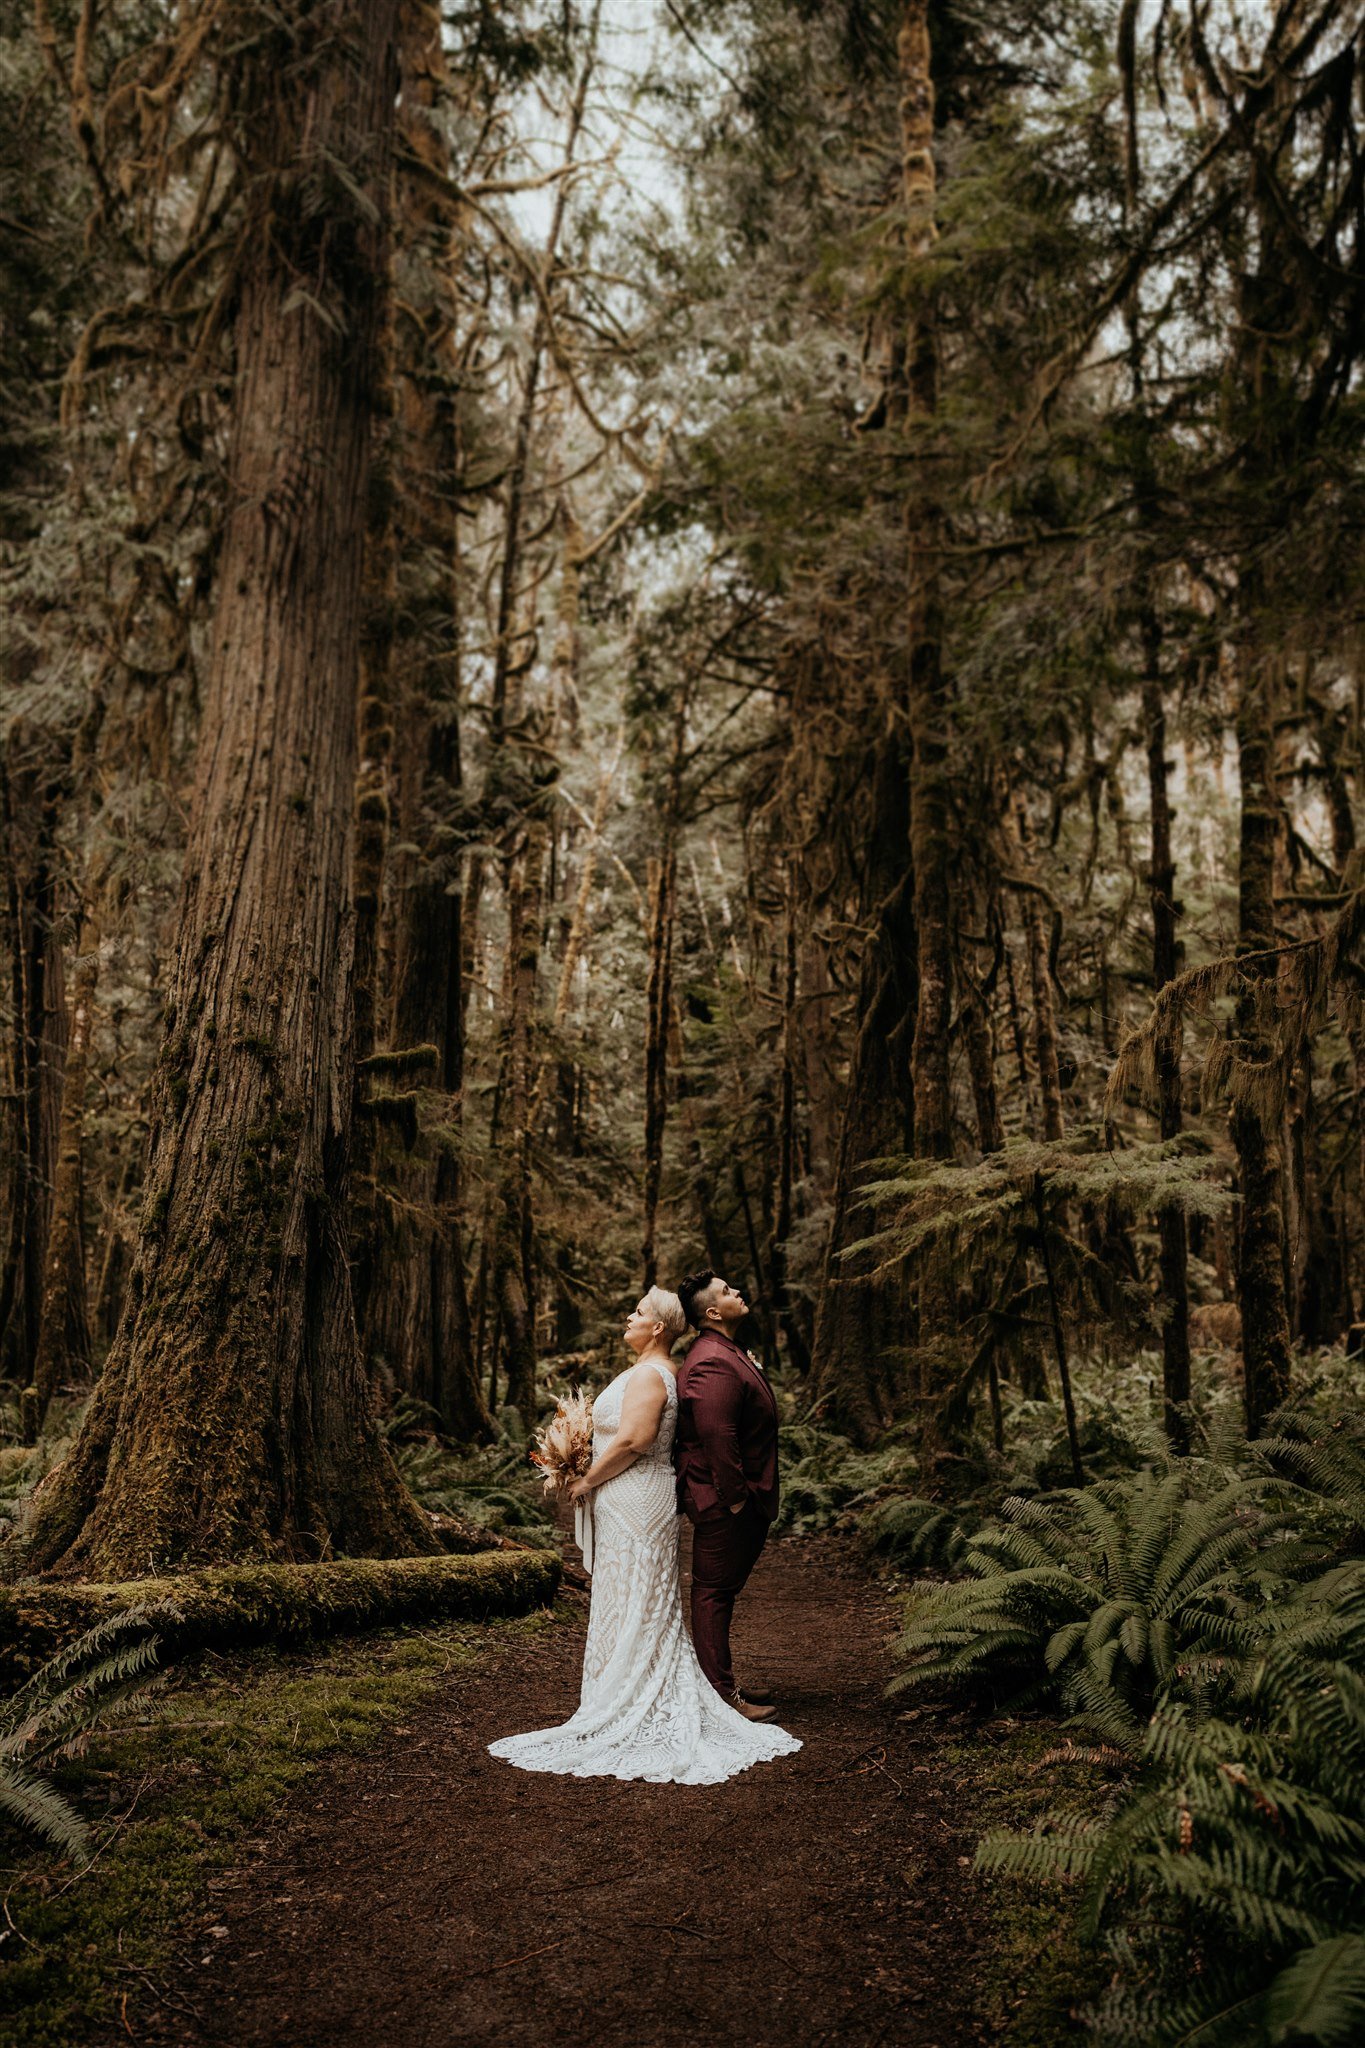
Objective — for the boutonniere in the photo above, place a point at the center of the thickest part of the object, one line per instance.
(753, 1360)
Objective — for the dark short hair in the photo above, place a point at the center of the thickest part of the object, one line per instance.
(688, 1290)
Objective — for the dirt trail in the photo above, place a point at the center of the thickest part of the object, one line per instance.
(427, 1896)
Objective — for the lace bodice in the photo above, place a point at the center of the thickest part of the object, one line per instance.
(647, 1710)
(606, 1413)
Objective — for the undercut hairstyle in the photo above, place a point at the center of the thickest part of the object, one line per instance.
(692, 1294)
(662, 1307)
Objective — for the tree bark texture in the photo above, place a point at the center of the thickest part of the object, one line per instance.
(658, 1009)
(1261, 1293)
(64, 1337)
(1044, 1002)
(927, 696)
(233, 1417)
(784, 1309)
(512, 1277)
(1172, 1233)
(418, 1322)
(33, 771)
(859, 1319)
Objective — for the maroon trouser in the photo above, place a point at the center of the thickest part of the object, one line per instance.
(725, 1549)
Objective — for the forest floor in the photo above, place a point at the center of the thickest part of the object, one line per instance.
(412, 1892)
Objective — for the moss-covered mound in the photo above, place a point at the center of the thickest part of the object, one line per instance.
(234, 1606)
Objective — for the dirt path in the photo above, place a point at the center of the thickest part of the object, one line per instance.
(430, 1897)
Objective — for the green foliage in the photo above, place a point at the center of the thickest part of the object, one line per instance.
(493, 1486)
(950, 1223)
(924, 1533)
(1242, 1839)
(57, 1711)
(1105, 1600)
(825, 1476)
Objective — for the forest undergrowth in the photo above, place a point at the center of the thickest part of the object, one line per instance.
(801, 562)
(176, 1794)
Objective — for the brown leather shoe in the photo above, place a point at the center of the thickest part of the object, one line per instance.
(750, 1711)
(757, 1695)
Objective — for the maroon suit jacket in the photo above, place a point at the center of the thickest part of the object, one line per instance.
(726, 1442)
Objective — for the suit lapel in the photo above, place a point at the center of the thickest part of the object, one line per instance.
(752, 1370)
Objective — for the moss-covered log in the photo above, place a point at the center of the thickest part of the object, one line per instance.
(236, 1606)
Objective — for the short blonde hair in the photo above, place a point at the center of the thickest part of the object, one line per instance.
(662, 1307)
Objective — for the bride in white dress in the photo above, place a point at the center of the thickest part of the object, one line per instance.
(646, 1710)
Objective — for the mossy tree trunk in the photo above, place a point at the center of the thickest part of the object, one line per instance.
(927, 696)
(418, 1321)
(512, 1277)
(860, 1318)
(33, 774)
(785, 1309)
(975, 999)
(233, 1418)
(64, 1337)
(1045, 1049)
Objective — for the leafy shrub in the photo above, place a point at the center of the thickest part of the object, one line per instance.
(1242, 1843)
(1101, 1599)
(823, 1475)
(493, 1485)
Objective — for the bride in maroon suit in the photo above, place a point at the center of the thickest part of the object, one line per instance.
(648, 1708)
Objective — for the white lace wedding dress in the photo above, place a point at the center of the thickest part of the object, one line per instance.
(646, 1710)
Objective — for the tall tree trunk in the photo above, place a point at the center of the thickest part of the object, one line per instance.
(419, 1320)
(1173, 1263)
(233, 1417)
(658, 1007)
(1261, 1292)
(788, 1321)
(819, 1050)
(927, 697)
(33, 773)
(1040, 988)
(662, 912)
(64, 1339)
(861, 1318)
(512, 1279)
(974, 1010)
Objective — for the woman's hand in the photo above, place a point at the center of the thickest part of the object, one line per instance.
(579, 1490)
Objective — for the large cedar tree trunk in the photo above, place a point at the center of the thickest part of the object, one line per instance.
(233, 1419)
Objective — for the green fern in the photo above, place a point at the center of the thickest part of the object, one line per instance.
(824, 1475)
(920, 1532)
(492, 1485)
(1240, 1847)
(55, 1713)
(1104, 1600)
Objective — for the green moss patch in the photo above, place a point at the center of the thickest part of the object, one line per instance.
(1035, 1976)
(236, 1606)
(174, 1801)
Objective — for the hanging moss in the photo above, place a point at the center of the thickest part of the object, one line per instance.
(235, 1606)
(403, 1059)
